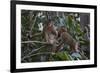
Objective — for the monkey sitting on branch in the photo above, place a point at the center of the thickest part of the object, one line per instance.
(68, 39)
(50, 34)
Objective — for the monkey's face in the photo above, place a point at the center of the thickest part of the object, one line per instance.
(50, 27)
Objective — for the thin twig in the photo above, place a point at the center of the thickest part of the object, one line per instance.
(37, 34)
(33, 23)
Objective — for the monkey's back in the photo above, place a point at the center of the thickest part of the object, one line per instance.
(68, 39)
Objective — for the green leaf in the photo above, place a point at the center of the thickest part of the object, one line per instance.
(62, 56)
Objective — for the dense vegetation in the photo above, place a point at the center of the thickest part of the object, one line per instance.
(34, 48)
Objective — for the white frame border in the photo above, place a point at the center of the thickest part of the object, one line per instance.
(20, 65)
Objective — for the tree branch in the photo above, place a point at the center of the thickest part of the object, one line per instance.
(34, 42)
(28, 56)
(33, 51)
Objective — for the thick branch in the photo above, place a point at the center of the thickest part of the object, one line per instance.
(43, 53)
(35, 42)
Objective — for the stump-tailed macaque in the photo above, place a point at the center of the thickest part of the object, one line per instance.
(50, 35)
(68, 39)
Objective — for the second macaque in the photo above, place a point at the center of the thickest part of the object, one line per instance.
(50, 35)
(68, 39)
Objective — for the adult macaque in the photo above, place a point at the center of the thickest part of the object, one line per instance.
(68, 39)
(50, 35)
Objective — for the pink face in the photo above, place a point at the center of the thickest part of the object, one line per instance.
(50, 27)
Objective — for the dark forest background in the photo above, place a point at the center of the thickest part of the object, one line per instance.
(35, 49)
